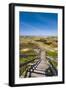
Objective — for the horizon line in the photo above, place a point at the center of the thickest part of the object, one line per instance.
(39, 35)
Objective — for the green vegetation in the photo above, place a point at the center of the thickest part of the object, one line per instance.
(31, 54)
(23, 70)
(27, 43)
(29, 58)
(27, 46)
(51, 41)
(28, 52)
(55, 64)
(52, 54)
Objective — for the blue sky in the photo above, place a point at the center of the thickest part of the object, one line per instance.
(38, 24)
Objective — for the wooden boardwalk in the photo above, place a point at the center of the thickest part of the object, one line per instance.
(38, 68)
(41, 67)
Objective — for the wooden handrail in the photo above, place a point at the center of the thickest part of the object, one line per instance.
(53, 68)
(23, 64)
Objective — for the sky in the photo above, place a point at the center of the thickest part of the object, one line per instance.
(38, 24)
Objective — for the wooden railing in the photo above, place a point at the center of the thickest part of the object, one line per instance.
(32, 65)
(29, 66)
(23, 64)
(53, 68)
